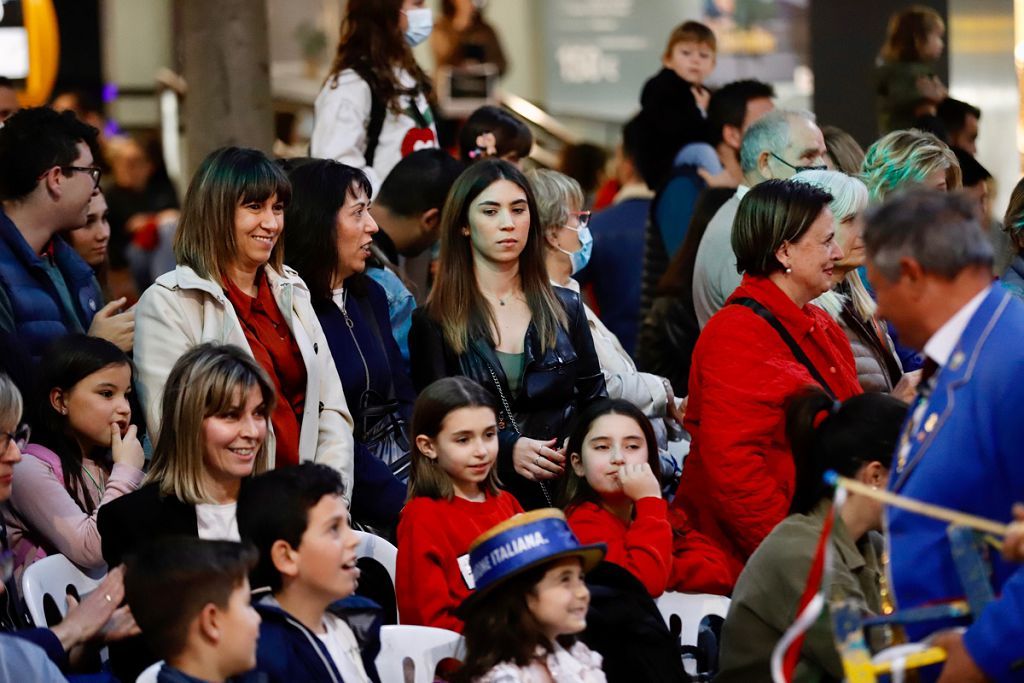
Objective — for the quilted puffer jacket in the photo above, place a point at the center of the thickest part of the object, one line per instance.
(739, 476)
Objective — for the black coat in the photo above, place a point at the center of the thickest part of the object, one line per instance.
(124, 524)
(555, 384)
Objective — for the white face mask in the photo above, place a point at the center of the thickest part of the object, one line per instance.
(420, 22)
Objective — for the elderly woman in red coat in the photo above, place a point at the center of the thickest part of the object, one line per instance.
(766, 344)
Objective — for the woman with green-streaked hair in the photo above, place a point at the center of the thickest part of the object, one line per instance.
(905, 158)
(1013, 224)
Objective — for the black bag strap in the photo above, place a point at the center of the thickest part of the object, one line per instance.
(794, 348)
(378, 110)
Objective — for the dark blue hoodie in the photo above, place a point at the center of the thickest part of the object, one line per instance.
(290, 652)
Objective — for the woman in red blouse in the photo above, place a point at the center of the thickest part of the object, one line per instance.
(766, 344)
(231, 286)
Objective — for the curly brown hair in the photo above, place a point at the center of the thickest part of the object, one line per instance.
(372, 45)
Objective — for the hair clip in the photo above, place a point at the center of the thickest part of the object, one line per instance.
(486, 146)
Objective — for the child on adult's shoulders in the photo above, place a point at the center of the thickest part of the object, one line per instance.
(314, 627)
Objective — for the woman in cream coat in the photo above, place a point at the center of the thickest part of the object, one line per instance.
(230, 286)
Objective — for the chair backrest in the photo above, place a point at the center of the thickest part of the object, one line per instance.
(47, 581)
(690, 609)
(416, 650)
(150, 674)
(378, 550)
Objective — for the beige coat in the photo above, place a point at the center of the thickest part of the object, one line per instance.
(181, 310)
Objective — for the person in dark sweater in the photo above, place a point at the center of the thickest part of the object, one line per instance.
(191, 599)
(674, 101)
(328, 243)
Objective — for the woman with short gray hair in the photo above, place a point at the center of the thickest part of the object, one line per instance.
(768, 343)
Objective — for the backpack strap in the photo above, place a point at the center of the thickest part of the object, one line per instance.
(794, 348)
(378, 110)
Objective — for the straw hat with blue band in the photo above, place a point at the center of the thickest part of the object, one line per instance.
(523, 542)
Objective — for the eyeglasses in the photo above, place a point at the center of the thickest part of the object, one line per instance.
(93, 172)
(582, 218)
(799, 169)
(20, 438)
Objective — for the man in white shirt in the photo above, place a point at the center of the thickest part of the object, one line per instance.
(779, 145)
(930, 264)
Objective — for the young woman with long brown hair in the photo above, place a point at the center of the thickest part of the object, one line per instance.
(494, 316)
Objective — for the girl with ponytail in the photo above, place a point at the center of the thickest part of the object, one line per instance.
(856, 439)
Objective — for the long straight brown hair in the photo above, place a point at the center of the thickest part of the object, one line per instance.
(455, 302)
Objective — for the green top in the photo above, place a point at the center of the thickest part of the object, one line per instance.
(512, 365)
(768, 591)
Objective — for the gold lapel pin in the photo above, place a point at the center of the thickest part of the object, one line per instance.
(956, 361)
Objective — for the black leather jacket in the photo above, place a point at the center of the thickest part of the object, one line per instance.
(555, 382)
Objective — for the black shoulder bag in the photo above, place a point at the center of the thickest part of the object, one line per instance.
(794, 348)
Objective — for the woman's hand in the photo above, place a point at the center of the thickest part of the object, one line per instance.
(906, 389)
(537, 460)
(674, 410)
(638, 481)
(115, 326)
(85, 619)
(1013, 544)
(126, 450)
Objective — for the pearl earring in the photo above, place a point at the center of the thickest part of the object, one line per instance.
(788, 270)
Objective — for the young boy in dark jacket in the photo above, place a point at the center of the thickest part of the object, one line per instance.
(314, 629)
(191, 599)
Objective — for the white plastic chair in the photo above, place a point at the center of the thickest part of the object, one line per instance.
(691, 608)
(419, 648)
(378, 549)
(150, 673)
(51, 576)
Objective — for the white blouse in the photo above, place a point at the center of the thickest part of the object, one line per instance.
(579, 664)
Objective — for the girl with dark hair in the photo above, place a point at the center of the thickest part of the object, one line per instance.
(374, 107)
(856, 439)
(612, 495)
(328, 242)
(84, 453)
(494, 317)
(767, 343)
(453, 498)
(528, 607)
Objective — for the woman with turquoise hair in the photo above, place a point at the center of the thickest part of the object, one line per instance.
(909, 157)
(849, 302)
(1013, 224)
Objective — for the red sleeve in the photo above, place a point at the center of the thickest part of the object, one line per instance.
(424, 569)
(645, 548)
(744, 380)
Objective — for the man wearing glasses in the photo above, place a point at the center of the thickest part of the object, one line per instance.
(47, 177)
(778, 146)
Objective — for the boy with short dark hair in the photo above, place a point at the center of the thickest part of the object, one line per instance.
(314, 628)
(190, 597)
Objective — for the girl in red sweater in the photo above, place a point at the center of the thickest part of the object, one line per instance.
(453, 498)
(612, 495)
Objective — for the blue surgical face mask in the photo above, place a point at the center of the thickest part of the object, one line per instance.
(421, 22)
(581, 256)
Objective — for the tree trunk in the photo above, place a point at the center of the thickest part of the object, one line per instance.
(227, 68)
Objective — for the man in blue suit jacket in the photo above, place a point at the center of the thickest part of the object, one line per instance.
(962, 445)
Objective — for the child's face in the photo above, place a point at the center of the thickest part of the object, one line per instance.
(233, 439)
(326, 555)
(931, 48)
(611, 442)
(691, 61)
(240, 632)
(559, 600)
(465, 448)
(96, 402)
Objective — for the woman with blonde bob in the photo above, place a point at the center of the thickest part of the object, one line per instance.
(215, 409)
(849, 302)
(231, 287)
(909, 157)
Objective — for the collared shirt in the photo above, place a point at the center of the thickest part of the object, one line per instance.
(714, 274)
(273, 345)
(940, 345)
